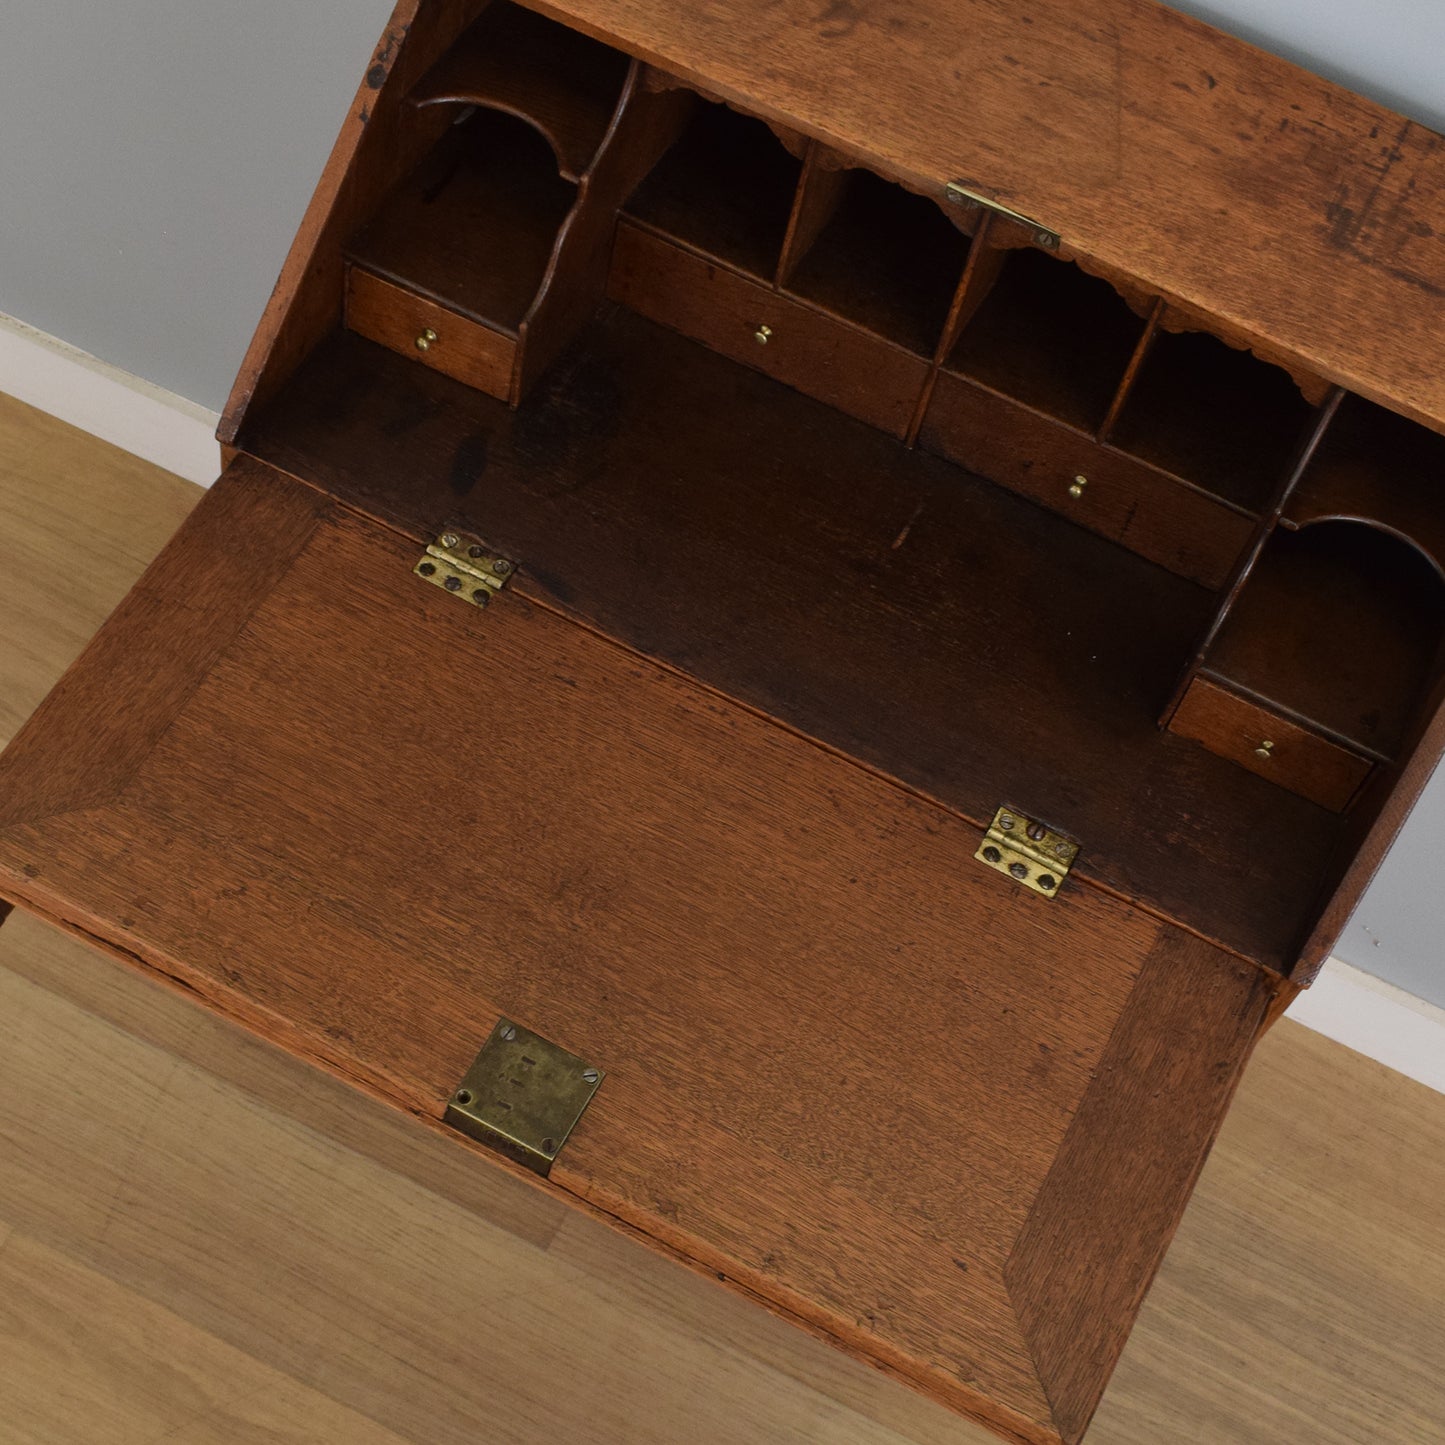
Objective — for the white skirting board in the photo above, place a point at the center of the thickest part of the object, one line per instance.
(1385, 1023)
(109, 403)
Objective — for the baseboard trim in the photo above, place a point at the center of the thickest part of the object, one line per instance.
(109, 403)
(1346, 1004)
(1376, 1019)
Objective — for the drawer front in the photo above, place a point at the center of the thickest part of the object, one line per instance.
(427, 332)
(863, 375)
(1261, 740)
(1101, 489)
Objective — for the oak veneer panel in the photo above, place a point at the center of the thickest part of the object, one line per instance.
(1191, 533)
(1105, 1215)
(1236, 727)
(675, 501)
(794, 974)
(395, 318)
(863, 375)
(1109, 121)
(560, 82)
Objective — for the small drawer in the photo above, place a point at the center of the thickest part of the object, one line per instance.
(746, 320)
(414, 326)
(1120, 498)
(1261, 740)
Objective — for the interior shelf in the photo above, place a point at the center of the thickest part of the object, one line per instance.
(886, 260)
(1051, 336)
(725, 188)
(474, 225)
(1377, 467)
(1214, 416)
(564, 84)
(1341, 624)
(930, 596)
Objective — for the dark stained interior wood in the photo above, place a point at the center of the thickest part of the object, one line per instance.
(777, 957)
(885, 259)
(1342, 625)
(725, 188)
(881, 600)
(1376, 467)
(512, 59)
(473, 226)
(1051, 336)
(1159, 148)
(1275, 747)
(1217, 417)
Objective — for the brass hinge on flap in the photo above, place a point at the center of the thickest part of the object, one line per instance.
(522, 1096)
(465, 567)
(1027, 851)
(960, 195)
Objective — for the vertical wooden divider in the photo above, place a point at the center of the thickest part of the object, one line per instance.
(1131, 372)
(1264, 529)
(645, 122)
(980, 271)
(820, 188)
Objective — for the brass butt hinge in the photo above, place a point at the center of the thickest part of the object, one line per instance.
(1027, 851)
(960, 195)
(465, 567)
(522, 1096)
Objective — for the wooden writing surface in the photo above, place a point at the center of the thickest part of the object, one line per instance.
(849, 1069)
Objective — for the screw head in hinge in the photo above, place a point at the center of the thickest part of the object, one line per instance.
(424, 341)
(466, 568)
(1076, 488)
(1028, 851)
(507, 1032)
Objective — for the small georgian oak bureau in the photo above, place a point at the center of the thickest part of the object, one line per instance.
(843, 597)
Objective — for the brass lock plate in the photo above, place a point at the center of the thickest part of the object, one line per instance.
(1027, 851)
(522, 1096)
(465, 567)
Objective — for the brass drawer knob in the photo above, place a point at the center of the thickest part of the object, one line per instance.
(1076, 487)
(762, 334)
(1265, 750)
(424, 341)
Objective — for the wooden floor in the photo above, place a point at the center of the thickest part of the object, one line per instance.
(203, 1242)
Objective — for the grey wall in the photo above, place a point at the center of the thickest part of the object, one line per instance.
(155, 159)
(156, 156)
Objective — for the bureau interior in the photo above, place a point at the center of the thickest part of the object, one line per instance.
(893, 468)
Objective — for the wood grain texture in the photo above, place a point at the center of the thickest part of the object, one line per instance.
(1319, 631)
(218, 566)
(645, 124)
(57, 485)
(1298, 1304)
(1102, 1217)
(929, 602)
(263, 1227)
(463, 349)
(862, 375)
(616, 861)
(514, 60)
(379, 141)
(1269, 745)
(1144, 509)
(1378, 469)
(1108, 122)
(84, 1358)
